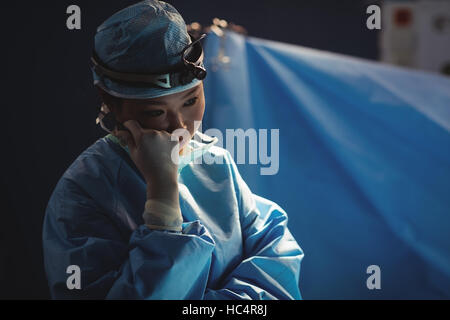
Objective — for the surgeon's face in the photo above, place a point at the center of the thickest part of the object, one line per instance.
(168, 113)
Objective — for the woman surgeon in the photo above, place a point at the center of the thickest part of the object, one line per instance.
(135, 215)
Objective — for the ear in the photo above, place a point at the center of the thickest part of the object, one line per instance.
(110, 101)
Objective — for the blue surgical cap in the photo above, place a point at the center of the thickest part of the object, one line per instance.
(147, 37)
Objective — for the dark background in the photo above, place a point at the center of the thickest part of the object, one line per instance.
(49, 105)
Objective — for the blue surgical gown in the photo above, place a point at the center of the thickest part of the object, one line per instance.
(234, 244)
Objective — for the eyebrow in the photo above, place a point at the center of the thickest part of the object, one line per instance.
(158, 102)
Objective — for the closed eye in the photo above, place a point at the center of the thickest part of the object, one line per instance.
(157, 113)
(153, 113)
(191, 102)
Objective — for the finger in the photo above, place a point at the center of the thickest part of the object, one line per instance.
(135, 129)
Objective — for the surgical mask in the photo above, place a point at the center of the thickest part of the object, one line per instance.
(195, 150)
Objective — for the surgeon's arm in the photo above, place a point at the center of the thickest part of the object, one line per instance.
(271, 266)
(150, 264)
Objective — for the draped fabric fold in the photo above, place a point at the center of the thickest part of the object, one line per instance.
(364, 161)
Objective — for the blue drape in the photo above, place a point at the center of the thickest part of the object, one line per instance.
(364, 161)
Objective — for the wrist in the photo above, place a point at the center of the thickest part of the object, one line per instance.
(166, 191)
(162, 216)
(161, 179)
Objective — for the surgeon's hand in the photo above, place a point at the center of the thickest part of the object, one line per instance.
(151, 151)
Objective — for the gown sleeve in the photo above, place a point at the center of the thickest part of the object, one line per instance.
(271, 266)
(151, 264)
(154, 264)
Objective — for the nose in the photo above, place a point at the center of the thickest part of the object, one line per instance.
(175, 122)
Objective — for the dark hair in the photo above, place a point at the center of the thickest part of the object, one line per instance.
(110, 100)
